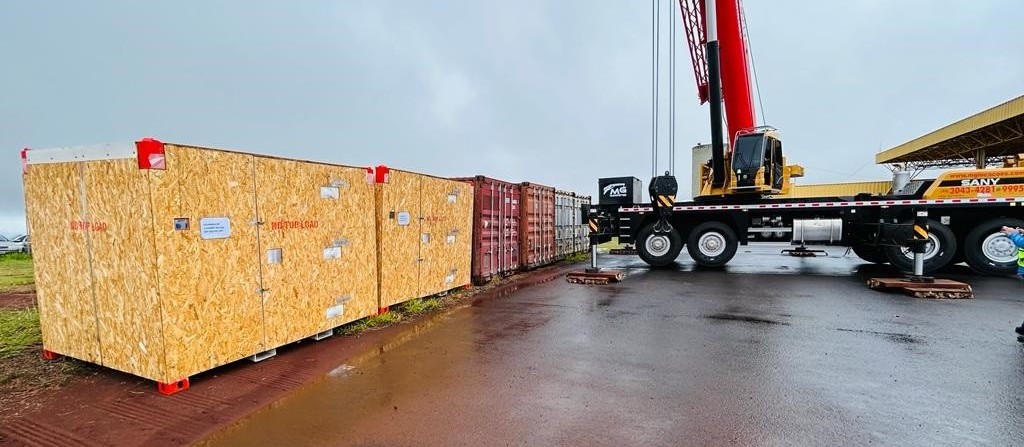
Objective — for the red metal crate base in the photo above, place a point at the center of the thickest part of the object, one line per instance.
(939, 288)
(168, 389)
(602, 277)
(382, 310)
(51, 356)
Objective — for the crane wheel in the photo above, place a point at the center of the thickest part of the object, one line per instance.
(938, 254)
(712, 244)
(989, 251)
(658, 249)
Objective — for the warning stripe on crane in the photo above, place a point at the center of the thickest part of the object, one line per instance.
(880, 203)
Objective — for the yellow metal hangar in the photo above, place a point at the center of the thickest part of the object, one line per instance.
(984, 139)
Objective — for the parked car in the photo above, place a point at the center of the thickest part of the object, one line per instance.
(26, 242)
(17, 245)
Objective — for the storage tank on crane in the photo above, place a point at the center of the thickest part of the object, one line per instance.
(701, 156)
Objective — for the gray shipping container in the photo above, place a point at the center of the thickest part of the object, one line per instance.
(571, 231)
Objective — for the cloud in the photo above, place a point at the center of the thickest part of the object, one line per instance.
(550, 92)
(452, 93)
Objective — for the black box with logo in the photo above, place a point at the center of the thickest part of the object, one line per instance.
(620, 191)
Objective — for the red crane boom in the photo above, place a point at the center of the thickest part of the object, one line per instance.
(736, 91)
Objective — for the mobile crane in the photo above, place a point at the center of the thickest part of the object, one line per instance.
(743, 190)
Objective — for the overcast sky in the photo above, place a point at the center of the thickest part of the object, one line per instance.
(554, 92)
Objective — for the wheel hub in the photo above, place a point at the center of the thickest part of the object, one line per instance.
(658, 245)
(931, 249)
(711, 244)
(999, 248)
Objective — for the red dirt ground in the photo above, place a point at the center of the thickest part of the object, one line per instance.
(99, 407)
(18, 298)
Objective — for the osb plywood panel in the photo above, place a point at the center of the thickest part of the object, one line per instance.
(124, 267)
(54, 204)
(460, 255)
(211, 308)
(399, 237)
(318, 247)
(448, 219)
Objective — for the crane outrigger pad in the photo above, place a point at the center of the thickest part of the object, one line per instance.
(937, 288)
(804, 252)
(599, 277)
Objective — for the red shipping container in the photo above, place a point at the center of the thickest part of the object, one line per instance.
(537, 225)
(496, 217)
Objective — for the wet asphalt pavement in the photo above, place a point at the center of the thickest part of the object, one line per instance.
(771, 351)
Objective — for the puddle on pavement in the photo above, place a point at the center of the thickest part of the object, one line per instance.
(508, 289)
(360, 395)
(743, 319)
(891, 336)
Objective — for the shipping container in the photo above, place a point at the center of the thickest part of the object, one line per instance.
(581, 237)
(165, 260)
(495, 228)
(537, 225)
(571, 231)
(564, 223)
(424, 234)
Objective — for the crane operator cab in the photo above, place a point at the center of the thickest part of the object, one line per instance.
(756, 165)
(757, 162)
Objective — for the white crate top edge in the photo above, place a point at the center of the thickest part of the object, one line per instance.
(112, 151)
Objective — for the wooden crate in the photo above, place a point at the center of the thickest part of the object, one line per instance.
(424, 234)
(165, 260)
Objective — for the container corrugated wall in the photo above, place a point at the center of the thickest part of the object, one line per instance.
(571, 232)
(566, 223)
(537, 225)
(175, 259)
(581, 235)
(496, 228)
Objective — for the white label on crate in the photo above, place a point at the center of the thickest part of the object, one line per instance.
(332, 253)
(403, 218)
(335, 311)
(330, 192)
(451, 198)
(425, 238)
(449, 279)
(450, 239)
(274, 256)
(215, 228)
